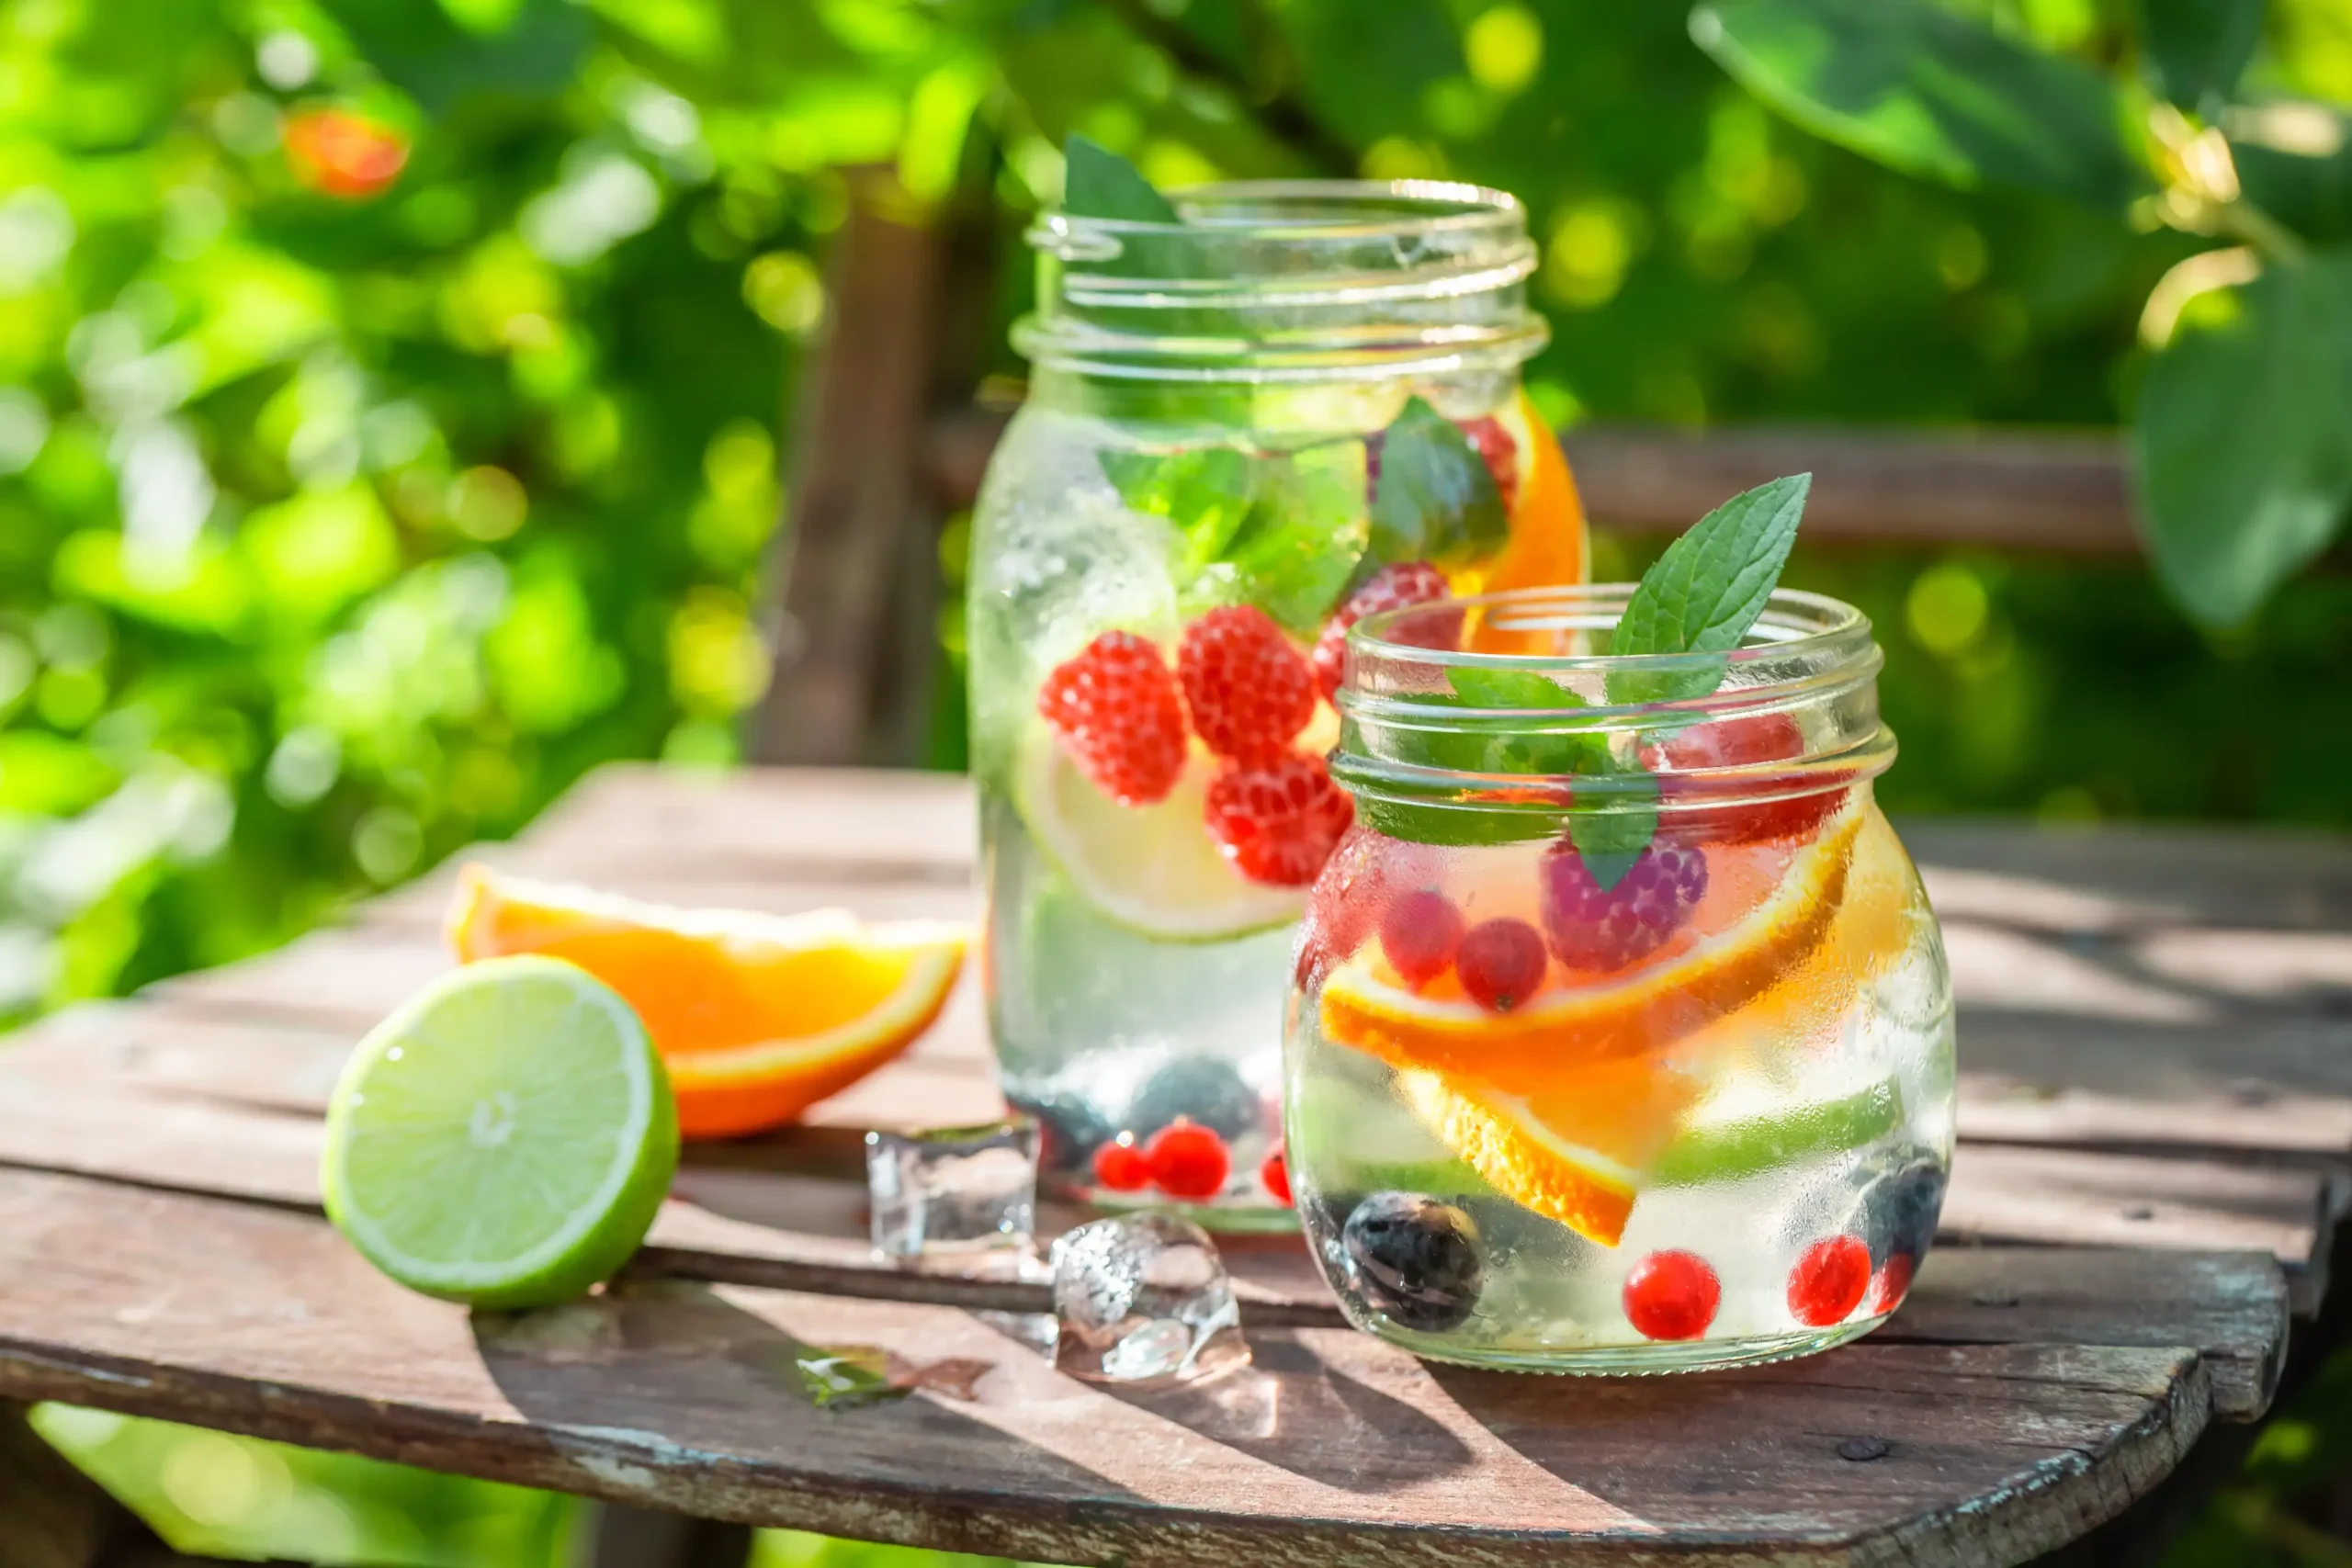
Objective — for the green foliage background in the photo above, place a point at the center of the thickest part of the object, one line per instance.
(334, 533)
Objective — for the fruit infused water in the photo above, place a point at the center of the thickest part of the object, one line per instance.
(1620, 1033)
(1257, 418)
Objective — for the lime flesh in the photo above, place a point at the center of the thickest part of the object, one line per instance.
(1728, 1150)
(1153, 869)
(503, 1140)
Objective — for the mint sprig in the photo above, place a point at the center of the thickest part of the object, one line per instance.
(1098, 183)
(1703, 594)
(1435, 501)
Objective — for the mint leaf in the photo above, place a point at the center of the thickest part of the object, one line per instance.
(1436, 501)
(1612, 826)
(1703, 594)
(1525, 750)
(1098, 183)
(1295, 552)
(1206, 493)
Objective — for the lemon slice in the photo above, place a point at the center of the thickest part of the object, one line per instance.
(1153, 869)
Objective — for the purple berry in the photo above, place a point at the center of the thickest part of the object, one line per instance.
(1591, 927)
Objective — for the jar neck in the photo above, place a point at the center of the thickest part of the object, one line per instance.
(1305, 281)
(1537, 721)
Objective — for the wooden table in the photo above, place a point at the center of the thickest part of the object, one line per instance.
(2157, 1110)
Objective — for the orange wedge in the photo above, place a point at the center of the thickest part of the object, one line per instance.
(1576, 1148)
(1546, 546)
(1581, 1020)
(757, 1017)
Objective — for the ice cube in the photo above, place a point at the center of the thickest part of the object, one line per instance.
(954, 1190)
(1144, 1299)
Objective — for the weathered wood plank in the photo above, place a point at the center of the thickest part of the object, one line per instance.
(770, 1223)
(1333, 1449)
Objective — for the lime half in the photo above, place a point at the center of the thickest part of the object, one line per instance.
(503, 1140)
(1153, 869)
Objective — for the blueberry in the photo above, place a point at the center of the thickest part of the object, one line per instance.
(1896, 1213)
(1415, 1258)
(1207, 1091)
(1071, 1129)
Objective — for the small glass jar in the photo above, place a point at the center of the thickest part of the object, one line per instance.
(1621, 1034)
(1200, 460)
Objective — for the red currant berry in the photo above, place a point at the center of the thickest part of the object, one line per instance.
(1188, 1160)
(1418, 932)
(1121, 1166)
(1892, 1283)
(1672, 1295)
(1275, 1171)
(1827, 1283)
(1499, 963)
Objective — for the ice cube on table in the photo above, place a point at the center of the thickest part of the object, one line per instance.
(954, 1190)
(1144, 1299)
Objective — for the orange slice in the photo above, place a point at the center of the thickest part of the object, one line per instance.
(1546, 546)
(1588, 1018)
(757, 1017)
(1576, 1148)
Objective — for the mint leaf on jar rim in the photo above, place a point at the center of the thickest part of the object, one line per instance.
(1435, 499)
(1704, 594)
(1098, 183)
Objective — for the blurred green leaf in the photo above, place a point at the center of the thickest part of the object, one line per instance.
(2199, 49)
(1930, 92)
(2307, 186)
(1436, 498)
(419, 46)
(1098, 183)
(1303, 536)
(2238, 444)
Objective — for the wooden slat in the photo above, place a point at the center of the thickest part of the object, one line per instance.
(1333, 1449)
(802, 1226)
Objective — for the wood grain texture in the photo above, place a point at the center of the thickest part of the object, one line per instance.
(790, 1212)
(1333, 1449)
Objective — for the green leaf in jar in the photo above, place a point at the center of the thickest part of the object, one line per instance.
(1297, 549)
(1098, 183)
(1206, 493)
(1436, 501)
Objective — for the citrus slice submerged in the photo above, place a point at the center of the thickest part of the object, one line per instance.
(504, 1139)
(1365, 1005)
(757, 1017)
(1728, 1148)
(1153, 869)
(1576, 1148)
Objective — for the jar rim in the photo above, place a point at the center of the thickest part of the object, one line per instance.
(1796, 624)
(1421, 206)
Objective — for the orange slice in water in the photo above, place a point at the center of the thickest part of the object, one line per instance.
(1753, 929)
(757, 1017)
(1575, 1145)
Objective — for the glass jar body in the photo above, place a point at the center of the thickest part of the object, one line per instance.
(1698, 1118)
(1135, 970)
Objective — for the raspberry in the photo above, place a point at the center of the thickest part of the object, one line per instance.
(1892, 1283)
(1278, 821)
(1121, 1166)
(1829, 1282)
(1248, 690)
(1593, 928)
(1499, 964)
(1119, 717)
(1391, 588)
(1418, 932)
(1672, 1295)
(1188, 1160)
(1731, 743)
(1275, 1173)
(1500, 452)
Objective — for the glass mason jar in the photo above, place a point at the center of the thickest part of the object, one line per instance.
(1242, 429)
(1621, 1034)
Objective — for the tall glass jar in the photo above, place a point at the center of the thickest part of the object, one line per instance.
(1244, 430)
(1620, 1036)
